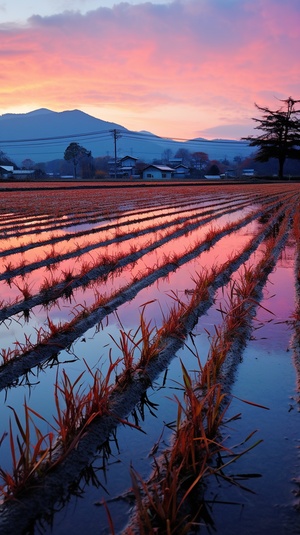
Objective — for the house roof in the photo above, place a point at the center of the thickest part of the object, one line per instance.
(128, 158)
(159, 167)
(8, 168)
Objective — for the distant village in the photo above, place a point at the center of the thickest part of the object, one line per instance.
(184, 165)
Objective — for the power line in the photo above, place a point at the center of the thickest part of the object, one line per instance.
(19, 148)
(97, 135)
(68, 136)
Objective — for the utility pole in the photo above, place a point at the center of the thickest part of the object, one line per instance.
(116, 135)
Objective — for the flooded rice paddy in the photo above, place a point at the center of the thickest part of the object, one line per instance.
(150, 359)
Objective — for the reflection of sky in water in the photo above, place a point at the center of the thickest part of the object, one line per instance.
(61, 247)
(180, 280)
(97, 345)
(265, 376)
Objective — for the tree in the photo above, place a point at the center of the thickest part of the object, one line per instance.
(185, 156)
(166, 155)
(214, 170)
(76, 153)
(200, 159)
(281, 137)
(28, 164)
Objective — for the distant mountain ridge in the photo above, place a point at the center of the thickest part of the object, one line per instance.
(27, 135)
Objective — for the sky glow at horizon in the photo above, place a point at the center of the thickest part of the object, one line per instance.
(182, 68)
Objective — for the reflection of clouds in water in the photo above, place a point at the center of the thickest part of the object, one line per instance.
(99, 343)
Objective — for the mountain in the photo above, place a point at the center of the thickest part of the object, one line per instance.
(43, 135)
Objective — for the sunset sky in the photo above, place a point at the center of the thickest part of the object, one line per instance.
(182, 68)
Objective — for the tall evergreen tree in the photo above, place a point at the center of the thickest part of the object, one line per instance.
(281, 134)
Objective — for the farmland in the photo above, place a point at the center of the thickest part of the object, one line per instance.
(150, 365)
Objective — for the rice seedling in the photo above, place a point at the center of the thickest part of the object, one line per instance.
(27, 456)
(137, 349)
(158, 505)
(68, 275)
(24, 290)
(70, 417)
(9, 266)
(8, 354)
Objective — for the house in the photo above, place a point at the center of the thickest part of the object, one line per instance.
(230, 173)
(248, 172)
(128, 161)
(123, 168)
(181, 171)
(174, 162)
(23, 173)
(158, 172)
(6, 171)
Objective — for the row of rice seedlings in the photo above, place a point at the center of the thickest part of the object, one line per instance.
(30, 267)
(27, 454)
(24, 221)
(72, 419)
(25, 435)
(173, 500)
(47, 202)
(54, 239)
(107, 265)
(45, 243)
(76, 408)
(161, 502)
(93, 217)
(150, 346)
(243, 297)
(130, 218)
(296, 315)
(58, 204)
(105, 304)
(43, 336)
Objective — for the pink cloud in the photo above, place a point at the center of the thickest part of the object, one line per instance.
(218, 57)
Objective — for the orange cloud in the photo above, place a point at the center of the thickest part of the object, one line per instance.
(215, 59)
